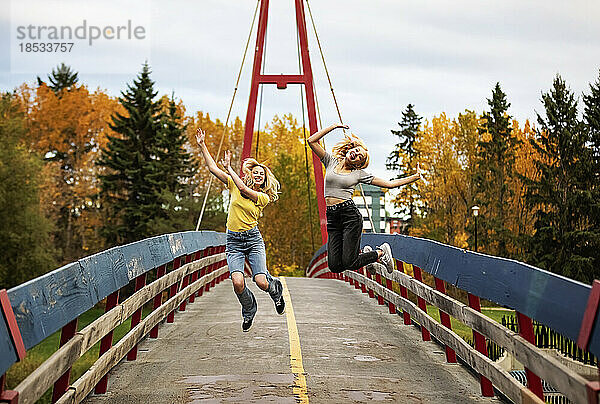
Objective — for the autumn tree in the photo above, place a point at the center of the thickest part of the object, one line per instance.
(446, 148)
(25, 232)
(68, 129)
(561, 194)
(403, 159)
(495, 171)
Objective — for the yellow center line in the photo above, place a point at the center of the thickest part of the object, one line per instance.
(299, 389)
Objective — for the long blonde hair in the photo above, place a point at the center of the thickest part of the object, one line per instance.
(270, 186)
(340, 150)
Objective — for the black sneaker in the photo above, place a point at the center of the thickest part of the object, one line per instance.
(247, 324)
(280, 305)
(278, 297)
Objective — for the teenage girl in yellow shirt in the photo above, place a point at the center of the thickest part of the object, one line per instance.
(248, 197)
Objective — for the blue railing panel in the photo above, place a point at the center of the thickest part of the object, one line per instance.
(44, 305)
(551, 299)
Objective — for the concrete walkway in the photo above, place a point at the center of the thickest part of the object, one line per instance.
(352, 351)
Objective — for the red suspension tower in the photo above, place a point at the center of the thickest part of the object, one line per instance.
(282, 80)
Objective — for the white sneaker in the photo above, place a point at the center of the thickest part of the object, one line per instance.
(387, 259)
(369, 267)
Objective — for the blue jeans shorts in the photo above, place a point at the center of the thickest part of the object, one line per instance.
(246, 244)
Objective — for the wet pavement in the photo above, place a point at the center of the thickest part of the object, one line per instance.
(352, 351)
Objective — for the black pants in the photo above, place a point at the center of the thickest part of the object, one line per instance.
(344, 226)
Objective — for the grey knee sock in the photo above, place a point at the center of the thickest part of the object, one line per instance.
(275, 288)
(248, 302)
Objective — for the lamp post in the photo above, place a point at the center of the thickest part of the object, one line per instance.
(475, 210)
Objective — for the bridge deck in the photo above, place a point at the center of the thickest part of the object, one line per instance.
(352, 351)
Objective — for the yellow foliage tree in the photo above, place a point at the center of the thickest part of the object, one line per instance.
(68, 129)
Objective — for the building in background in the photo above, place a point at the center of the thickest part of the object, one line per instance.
(375, 199)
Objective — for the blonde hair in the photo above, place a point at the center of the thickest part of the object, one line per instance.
(340, 150)
(270, 186)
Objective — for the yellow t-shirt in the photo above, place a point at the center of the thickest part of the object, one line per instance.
(243, 212)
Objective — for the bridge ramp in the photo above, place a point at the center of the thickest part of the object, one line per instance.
(352, 351)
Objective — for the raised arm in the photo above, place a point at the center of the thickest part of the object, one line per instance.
(379, 182)
(210, 162)
(244, 189)
(313, 140)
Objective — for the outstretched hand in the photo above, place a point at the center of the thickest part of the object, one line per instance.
(420, 172)
(226, 160)
(200, 135)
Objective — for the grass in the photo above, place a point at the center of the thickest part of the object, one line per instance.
(462, 330)
(39, 353)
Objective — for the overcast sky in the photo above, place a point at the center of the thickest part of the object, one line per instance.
(382, 54)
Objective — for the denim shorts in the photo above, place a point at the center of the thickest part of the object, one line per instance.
(244, 245)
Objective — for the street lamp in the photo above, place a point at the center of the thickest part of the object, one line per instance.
(475, 210)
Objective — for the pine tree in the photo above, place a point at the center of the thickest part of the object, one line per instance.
(591, 117)
(494, 171)
(561, 195)
(177, 162)
(61, 78)
(176, 167)
(24, 230)
(402, 159)
(133, 180)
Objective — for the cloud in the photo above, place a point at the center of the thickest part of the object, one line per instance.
(382, 54)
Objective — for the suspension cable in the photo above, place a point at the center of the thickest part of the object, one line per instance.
(237, 82)
(324, 64)
(336, 104)
(260, 102)
(310, 211)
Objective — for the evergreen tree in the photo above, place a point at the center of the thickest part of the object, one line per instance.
(402, 158)
(591, 116)
(176, 167)
(24, 230)
(134, 177)
(177, 163)
(494, 171)
(62, 77)
(561, 194)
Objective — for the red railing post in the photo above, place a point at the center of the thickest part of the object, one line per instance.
(173, 289)
(404, 294)
(445, 318)
(7, 396)
(186, 281)
(534, 383)
(487, 390)
(197, 256)
(106, 341)
(391, 306)
(62, 384)
(421, 303)
(209, 268)
(368, 275)
(203, 253)
(378, 280)
(140, 282)
(160, 271)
